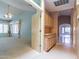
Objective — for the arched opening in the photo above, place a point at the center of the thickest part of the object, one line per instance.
(65, 36)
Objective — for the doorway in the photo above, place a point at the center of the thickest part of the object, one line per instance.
(65, 36)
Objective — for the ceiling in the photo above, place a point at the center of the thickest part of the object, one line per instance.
(49, 5)
(66, 12)
(16, 7)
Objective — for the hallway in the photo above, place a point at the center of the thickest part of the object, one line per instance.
(58, 52)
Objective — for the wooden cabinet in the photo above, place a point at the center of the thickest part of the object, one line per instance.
(49, 42)
(48, 20)
(50, 39)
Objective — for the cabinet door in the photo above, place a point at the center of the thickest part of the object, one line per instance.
(49, 23)
(46, 20)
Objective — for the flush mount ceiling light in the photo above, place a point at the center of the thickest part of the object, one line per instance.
(61, 2)
(8, 14)
(55, 0)
(77, 17)
(77, 2)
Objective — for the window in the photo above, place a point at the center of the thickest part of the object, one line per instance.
(67, 39)
(67, 29)
(62, 29)
(3, 28)
(15, 28)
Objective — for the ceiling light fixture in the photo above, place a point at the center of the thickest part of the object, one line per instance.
(61, 2)
(8, 14)
(77, 2)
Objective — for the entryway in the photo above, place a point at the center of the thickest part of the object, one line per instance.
(65, 37)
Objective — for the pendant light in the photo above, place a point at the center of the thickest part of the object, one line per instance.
(8, 14)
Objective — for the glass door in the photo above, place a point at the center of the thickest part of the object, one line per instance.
(65, 35)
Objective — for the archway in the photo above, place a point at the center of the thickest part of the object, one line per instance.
(65, 36)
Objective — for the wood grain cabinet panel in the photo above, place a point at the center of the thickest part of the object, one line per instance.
(48, 20)
(50, 41)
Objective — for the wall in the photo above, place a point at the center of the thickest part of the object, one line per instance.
(77, 32)
(77, 40)
(63, 19)
(26, 21)
(74, 26)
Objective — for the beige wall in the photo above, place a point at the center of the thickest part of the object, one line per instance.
(77, 10)
(77, 33)
(74, 25)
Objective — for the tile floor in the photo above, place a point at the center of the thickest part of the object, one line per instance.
(58, 52)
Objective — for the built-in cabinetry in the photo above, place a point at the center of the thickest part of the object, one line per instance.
(50, 36)
(48, 20)
(50, 41)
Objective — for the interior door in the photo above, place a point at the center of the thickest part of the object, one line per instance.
(36, 35)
